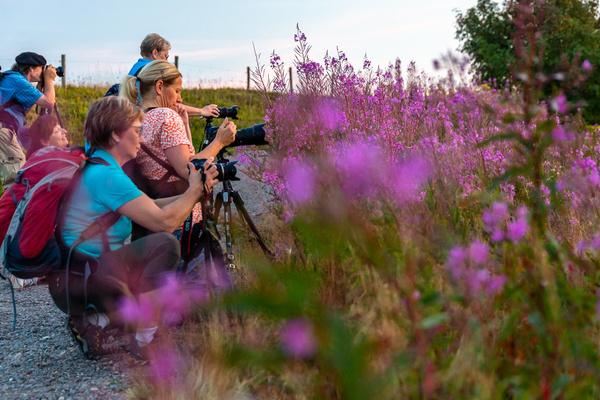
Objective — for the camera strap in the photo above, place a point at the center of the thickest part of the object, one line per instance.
(170, 169)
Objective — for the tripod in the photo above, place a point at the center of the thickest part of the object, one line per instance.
(224, 199)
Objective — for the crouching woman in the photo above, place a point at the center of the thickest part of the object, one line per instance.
(103, 269)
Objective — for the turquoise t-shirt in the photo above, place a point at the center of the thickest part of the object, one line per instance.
(103, 188)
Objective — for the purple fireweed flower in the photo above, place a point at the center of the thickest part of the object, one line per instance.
(288, 216)
(301, 183)
(175, 301)
(586, 65)
(408, 180)
(328, 114)
(495, 284)
(559, 104)
(298, 338)
(516, 230)
(478, 252)
(492, 217)
(581, 247)
(497, 235)
(132, 310)
(559, 134)
(360, 169)
(457, 259)
(595, 244)
(165, 364)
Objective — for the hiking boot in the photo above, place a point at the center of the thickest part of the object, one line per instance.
(145, 353)
(88, 337)
(18, 283)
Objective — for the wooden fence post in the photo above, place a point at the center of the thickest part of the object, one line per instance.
(291, 82)
(63, 62)
(248, 78)
(177, 62)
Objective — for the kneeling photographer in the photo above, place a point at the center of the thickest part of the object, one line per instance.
(113, 130)
(17, 96)
(168, 147)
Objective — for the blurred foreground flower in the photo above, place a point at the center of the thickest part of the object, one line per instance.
(297, 339)
(467, 268)
(132, 310)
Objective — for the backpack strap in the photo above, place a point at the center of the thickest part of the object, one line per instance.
(99, 226)
(9, 104)
(139, 70)
(170, 169)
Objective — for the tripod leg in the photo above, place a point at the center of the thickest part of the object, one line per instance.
(239, 204)
(228, 237)
(217, 207)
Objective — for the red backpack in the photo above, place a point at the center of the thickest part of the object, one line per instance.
(31, 211)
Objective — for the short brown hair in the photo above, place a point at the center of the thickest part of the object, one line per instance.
(41, 129)
(107, 115)
(153, 41)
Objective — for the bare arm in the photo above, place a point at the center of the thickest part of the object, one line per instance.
(182, 111)
(147, 213)
(48, 98)
(165, 201)
(179, 158)
(210, 110)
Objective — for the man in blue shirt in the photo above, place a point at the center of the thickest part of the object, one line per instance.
(17, 96)
(155, 47)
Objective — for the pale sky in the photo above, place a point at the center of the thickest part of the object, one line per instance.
(214, 39)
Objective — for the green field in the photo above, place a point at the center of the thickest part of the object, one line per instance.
(73, 102)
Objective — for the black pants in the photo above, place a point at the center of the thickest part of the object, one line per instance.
(136, 268)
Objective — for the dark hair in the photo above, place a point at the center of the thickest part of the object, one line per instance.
(21, 68)
(41, 129)
(107, 115)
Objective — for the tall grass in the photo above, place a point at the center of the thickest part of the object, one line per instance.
(434, 240)
(73, 102)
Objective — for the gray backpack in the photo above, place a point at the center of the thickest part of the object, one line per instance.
(12, 157)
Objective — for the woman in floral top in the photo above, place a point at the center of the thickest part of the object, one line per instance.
(166, 128)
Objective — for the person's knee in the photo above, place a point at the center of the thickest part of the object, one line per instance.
(167, 245)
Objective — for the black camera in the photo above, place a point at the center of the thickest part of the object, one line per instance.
(251, 136)
(226, 171)
(60, 70)
(225, 112)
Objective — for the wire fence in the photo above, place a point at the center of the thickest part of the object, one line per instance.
(85, 73)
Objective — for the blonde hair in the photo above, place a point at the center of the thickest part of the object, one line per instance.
(159, 70)
(107, 115)
(153, 41)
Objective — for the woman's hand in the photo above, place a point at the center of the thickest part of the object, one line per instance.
(195, 177)
(226, 133)
(210, 110)
(180, 109)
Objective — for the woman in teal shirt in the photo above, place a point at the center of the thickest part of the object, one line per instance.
(112, 129)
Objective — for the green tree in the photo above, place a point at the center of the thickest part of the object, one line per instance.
(567, 32)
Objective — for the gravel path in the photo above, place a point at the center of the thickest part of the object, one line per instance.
(39, 360)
